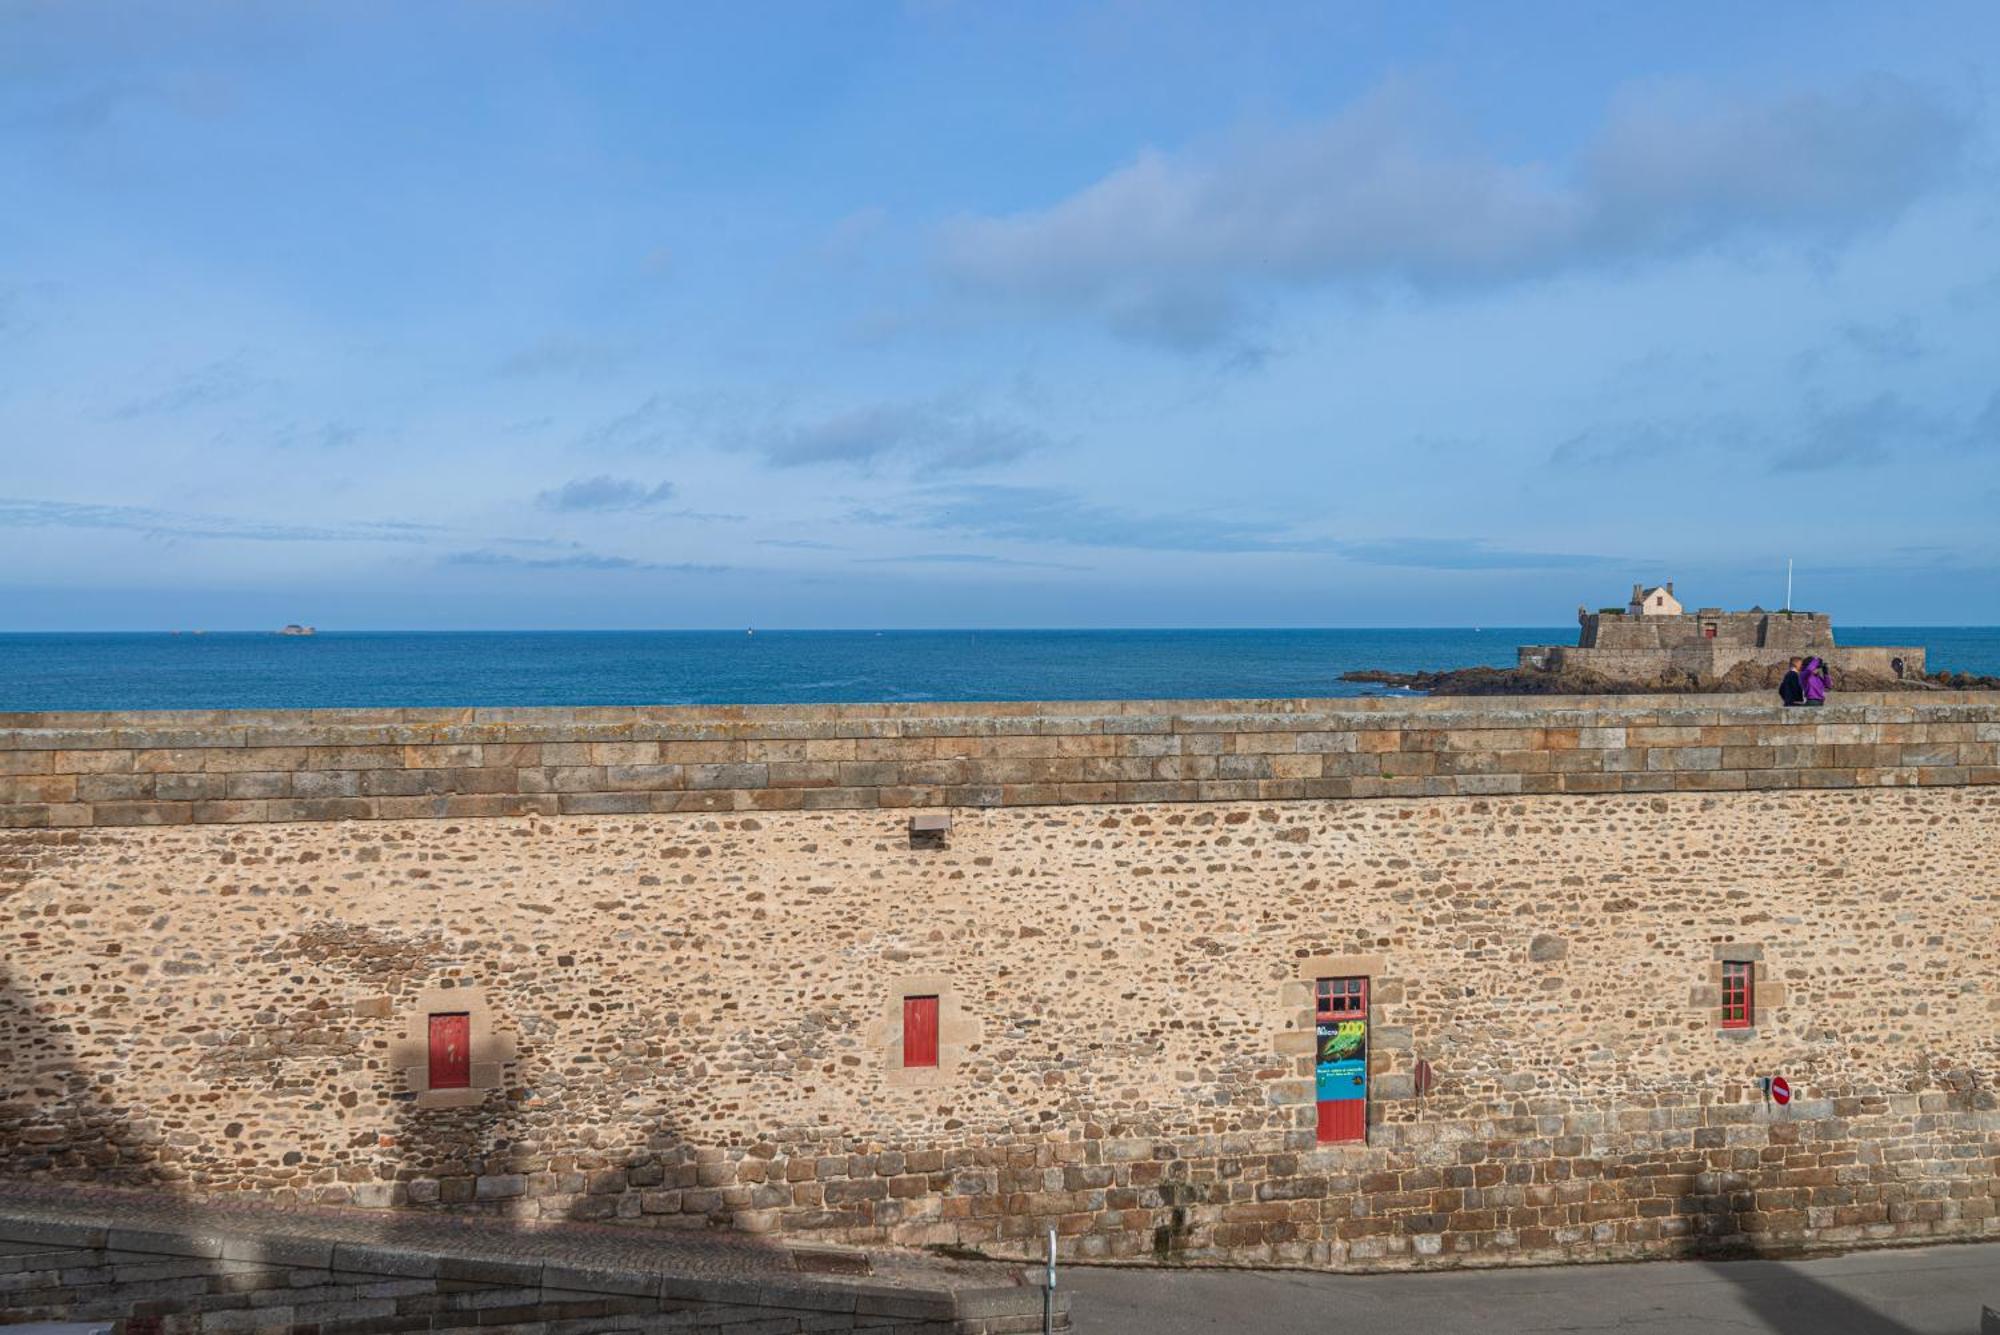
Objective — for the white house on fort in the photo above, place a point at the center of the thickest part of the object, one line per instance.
(1658, 601)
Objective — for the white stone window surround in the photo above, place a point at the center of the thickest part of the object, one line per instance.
(492, 1047)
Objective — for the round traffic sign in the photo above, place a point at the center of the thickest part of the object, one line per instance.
(1781, 1090)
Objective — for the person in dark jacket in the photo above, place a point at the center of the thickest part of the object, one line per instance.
(1792, 691)
(1813, 678)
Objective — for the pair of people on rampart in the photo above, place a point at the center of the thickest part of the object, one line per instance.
(1805, 682)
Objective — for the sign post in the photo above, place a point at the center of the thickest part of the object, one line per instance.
(1049, 1290)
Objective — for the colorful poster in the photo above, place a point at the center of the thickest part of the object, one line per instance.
(1341, 1066)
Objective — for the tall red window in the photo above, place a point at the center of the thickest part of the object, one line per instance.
(920, 1031)
(1340, 1058)
(451, 1051)
(1739, 989)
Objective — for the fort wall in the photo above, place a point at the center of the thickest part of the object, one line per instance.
(690, 1017)
(1705, 645)
(1782, 633)
(1708, 661)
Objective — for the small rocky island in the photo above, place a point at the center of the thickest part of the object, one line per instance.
(1653, 643)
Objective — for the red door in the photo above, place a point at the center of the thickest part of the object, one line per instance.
(1340, 1067)
(920, 1031)
(451, 1051)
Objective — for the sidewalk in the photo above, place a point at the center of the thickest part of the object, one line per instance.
(1918, 1291)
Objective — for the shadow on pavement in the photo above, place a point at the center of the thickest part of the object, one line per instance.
(1790, 1302)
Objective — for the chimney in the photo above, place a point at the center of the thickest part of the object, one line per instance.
(1638, 593)
(1670, 588)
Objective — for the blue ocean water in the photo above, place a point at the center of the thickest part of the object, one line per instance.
(400, 668)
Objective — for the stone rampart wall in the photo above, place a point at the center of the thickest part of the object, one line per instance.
(1879, 660)
(692, 1018)
(1709, 660)
(1775, 632)
(79, 770)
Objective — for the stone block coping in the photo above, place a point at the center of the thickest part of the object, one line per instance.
(69, 770)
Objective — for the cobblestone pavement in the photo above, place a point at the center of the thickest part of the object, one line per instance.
(1917, 1291)
(588, 1246)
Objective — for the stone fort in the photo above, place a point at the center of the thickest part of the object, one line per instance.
(1654, 639)
(1333, 983)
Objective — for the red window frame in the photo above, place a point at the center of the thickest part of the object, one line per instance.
(451, 1050)
(1739, 993)
(1340, 998)
(920, 1031)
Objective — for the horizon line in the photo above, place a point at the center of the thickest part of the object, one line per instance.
(886, 630)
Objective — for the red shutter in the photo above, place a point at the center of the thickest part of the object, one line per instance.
(920, 1031)
(451, 1051)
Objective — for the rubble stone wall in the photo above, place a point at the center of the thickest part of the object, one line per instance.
(695, 1011)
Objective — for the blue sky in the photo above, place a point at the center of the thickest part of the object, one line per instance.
(523, 315)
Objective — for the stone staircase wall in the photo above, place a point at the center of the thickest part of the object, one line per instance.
(165, 1283)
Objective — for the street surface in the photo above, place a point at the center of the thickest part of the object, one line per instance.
(1920, 1291)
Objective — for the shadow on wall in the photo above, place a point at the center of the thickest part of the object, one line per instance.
(58, 1119)
(502, 1151)
(66, 1118)
(453, 1157)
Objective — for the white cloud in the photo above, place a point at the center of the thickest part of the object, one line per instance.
(1177, 248)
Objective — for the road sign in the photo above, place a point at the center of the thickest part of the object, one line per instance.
(1780, 1090)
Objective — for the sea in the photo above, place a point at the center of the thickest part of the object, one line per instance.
(452, 668)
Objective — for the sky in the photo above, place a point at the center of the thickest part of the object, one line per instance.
(519, 315)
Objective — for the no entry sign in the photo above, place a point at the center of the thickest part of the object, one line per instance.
(1779, 1089)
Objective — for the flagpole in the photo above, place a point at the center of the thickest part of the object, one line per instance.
(1788, 584)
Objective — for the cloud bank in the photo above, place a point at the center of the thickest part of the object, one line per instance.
(576, 557)
(26, 513)
(604, 493)
(1176, 248)
(1045, 516)
(921, 435)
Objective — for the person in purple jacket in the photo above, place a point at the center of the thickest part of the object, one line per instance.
(1813, 676)
(1792, 690)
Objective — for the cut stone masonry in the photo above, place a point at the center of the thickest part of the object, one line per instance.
(70, 770)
